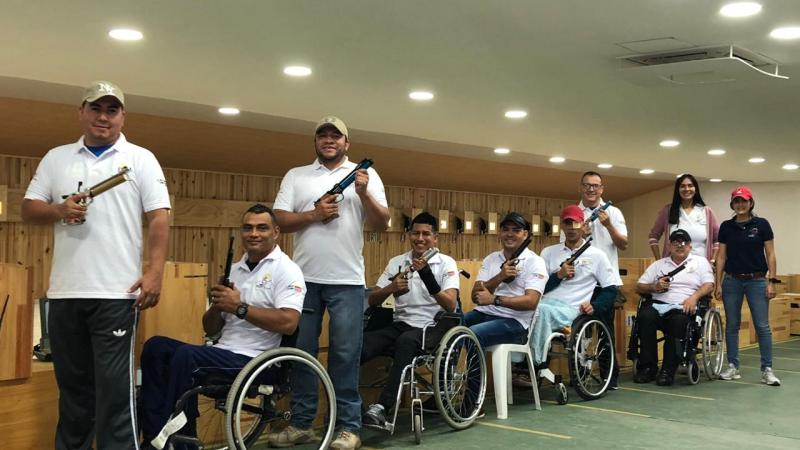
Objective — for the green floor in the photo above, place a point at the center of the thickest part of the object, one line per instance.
(712, 414)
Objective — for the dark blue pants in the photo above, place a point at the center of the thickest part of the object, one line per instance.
(167, 369)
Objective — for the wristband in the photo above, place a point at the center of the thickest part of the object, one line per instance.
(427, 277)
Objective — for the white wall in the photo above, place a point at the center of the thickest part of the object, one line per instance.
(774, 202)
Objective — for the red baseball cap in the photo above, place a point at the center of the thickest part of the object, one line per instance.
(743, 192)
(572, 212)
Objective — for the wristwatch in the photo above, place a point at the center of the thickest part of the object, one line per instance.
(241, 310)
(498, 301)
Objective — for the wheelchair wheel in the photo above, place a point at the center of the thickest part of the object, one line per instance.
(459, 377)
(591, 358)
(561, 394)
(713, 349)
(417, 428)
(246, 425)
(693, 372)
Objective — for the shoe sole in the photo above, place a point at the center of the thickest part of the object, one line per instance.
(771, 384)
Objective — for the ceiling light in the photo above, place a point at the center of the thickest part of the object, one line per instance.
(502, 151)
(785, 33)
(125, 34)
(715, 180)
(421, 95)
(669, 143)
(790, 166)
(516, 114)
(228, 111)
(557, 159)
(756, 160)
(740, 9)
(646, 171)
(297, 71)
(716, 152)
(605, 165)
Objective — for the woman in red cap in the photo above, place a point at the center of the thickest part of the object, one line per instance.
(746, 255)
(687, 212)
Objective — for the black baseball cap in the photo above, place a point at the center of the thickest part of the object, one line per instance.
(516, 219)
(680, 235)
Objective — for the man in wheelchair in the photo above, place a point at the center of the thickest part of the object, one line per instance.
(675, 294)
(421, 290)
(263, 303)
(571, 284)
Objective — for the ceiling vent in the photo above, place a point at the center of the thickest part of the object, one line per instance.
(701, 65)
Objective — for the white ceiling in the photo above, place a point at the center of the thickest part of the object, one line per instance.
(556, 59)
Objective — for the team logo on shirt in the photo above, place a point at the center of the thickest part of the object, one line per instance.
(296, 287)
(263, 282)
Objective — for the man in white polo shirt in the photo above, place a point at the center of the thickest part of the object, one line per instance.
(507, 289)
(264, 304)
(96, 283)
(674, 300)
(431, 287)
(570, 287)
(328, 248)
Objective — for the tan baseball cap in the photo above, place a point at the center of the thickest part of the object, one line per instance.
(100, 89)
(334, 122)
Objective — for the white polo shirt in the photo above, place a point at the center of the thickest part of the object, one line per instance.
(696, 224)
(601, 238)
(418, 307)
(101, 258)
(276, 282)
(591, 268)
(328, 253)
(685, 283)
(533, 275)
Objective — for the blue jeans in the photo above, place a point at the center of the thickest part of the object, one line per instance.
(345, 305)
(494, 330)
(733, 290)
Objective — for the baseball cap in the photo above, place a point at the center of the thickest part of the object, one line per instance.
(334, 122)
(515, 219)
(680, 235)
(743, 192)
(572, 212)
(99, 89)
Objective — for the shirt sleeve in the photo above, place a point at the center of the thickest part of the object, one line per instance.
(649, 276)
(618, 220)
(486, 272)
(285, 198)
(449, 278)
(41, 185)
(658, 227)
(388, 272)
(151, 183)
(375, 188)
(535, 277)
(722, 237)
(767, 230)
(705, 271)
(291, 291)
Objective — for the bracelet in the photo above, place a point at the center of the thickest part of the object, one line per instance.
(775, 280)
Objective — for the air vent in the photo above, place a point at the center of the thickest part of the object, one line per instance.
(700, 65)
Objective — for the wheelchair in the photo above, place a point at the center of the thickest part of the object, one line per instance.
(239, 412)
(588, 345)
(457, 368)
(704, 338)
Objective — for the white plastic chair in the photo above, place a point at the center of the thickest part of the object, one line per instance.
(501, 373)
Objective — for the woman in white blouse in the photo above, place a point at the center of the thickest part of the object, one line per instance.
(688, 212)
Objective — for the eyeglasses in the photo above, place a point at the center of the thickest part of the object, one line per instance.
(591, 187)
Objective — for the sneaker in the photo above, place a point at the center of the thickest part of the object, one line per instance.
(290, 436)
(731, 373)
(346, 441)
(768, 377)
(613, 385)
(375, 415)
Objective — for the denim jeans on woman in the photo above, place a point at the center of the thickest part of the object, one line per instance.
(733, 291)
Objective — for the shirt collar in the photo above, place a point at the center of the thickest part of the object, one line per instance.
(274, 255)
(121, 145)
(346, 164)
(587, 208)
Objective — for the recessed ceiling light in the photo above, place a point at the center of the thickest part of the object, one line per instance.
(669, 143)
(646, 171)
(125, 34)
(516, 114)
(557, 159)
(716, 180)
(740, 9)
(605, 165)
(421, 95)
(756, 160)
(502, 151)
(297, 71)
(790, 166)
(228, 111)
(785, 33)
(716, 152)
